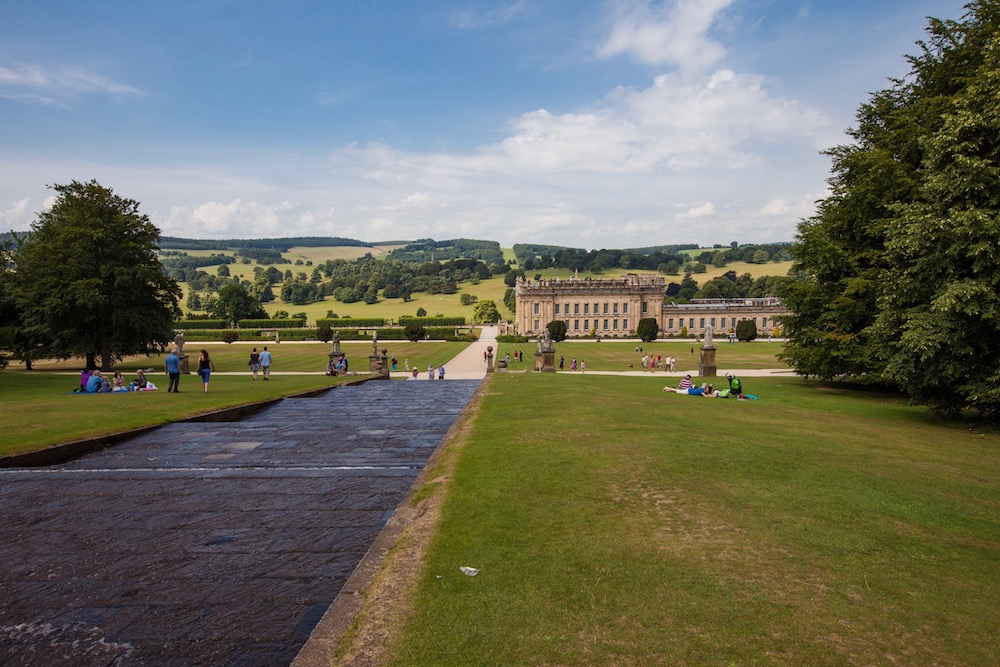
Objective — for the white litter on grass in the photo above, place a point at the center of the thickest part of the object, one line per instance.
(469, 571)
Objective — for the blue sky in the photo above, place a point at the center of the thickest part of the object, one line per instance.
(589, 123)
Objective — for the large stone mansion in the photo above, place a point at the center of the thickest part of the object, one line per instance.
(612, 308)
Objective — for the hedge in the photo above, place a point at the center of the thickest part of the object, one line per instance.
(512, 339)
(350, 323)
(388, 333)
(432, 321)
(201, 324)
(283, 323)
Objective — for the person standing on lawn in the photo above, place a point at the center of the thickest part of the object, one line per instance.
(172, 365)
(265, 363)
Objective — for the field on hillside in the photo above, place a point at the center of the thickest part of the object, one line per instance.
(615, 524)
(448, 305)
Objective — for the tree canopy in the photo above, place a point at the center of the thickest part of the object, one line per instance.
(900, 270)
(88, 281)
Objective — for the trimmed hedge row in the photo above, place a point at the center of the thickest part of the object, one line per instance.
(432, 321)
(206, 335)
(200, 324)
(350, 322)
(283, 323)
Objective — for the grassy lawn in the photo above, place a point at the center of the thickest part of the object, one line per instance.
(39, 412)
(615, 524)
(616, 356)
(288, 357)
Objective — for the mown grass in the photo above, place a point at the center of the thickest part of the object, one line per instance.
(616, 356)
(617, 524)
(38, 410)
(288, 357)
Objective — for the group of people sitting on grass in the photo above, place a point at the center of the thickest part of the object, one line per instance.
(96, 382)
(338, 365)
(734, 387)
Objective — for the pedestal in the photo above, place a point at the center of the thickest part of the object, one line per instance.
(185, 367)
(489, 359)
(375, 365)
(707, 366)
(545, 362)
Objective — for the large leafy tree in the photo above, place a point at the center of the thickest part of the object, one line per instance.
(235, 303)
(88, 281)
(486, 311)
(899, 270)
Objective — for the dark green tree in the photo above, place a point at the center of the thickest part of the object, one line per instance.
(235, 303)
(414, 332)
(647, 329)
(88, 280)
(897, 276)
(746, 330)
(557, 329)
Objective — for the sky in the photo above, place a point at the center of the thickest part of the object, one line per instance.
(584, 123)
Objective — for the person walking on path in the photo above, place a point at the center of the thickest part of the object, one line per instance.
(441, 372)
(205, 368)
(265, 363)
(430, 371)
(254, 363)
(172, 365)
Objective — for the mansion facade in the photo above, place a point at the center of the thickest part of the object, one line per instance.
(612, 308)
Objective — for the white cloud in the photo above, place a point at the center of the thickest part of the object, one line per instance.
(774, 207)
(672, 33)
(472, 18)
(18, 216)
(37, 85)
(701, 211)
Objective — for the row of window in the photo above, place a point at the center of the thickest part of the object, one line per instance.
(761, 322)
(614, 308)
(600, 325)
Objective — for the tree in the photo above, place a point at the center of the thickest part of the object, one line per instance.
(486, 312)
(510, 299)
(88, 280)
(234, 303)
(414, 332)
(223, 270)
(557, 329)
(746, 330)
(421, 312)
(647, 329)
(895, 284)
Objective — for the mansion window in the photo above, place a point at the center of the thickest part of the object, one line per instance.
(576, 308)
(586, 309)
(536, 312)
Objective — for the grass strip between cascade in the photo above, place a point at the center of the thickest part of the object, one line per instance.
(614, 523)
